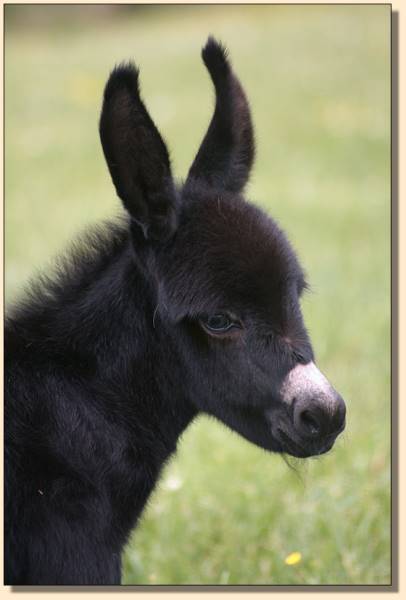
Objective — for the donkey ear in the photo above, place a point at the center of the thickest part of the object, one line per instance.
(136, 156)
(226, 154)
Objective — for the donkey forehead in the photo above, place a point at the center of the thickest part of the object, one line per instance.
(227, 250)
(241, 237)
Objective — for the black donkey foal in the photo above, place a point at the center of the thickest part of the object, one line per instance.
(190, 305)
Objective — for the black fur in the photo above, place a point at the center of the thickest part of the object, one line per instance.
(110, 359)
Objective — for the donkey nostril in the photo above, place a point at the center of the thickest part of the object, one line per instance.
(310, 423)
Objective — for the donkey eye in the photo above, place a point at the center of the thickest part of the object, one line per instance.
(219, 323)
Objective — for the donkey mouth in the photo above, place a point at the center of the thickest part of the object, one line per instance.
(301, 450)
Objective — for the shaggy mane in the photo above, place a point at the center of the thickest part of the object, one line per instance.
(71, 270)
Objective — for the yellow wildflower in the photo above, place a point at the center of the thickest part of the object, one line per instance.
(293, 558)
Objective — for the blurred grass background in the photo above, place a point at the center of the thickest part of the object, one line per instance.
(318, 79)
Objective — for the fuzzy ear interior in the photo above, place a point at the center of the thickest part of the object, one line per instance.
(226, 155)
(136, 155)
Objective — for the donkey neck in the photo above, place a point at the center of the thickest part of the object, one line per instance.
(94, 327)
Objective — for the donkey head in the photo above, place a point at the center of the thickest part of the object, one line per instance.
(227, 281)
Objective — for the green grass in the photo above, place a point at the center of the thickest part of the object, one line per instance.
(318, 79)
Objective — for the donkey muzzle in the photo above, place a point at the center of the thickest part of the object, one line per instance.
(317, 410)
